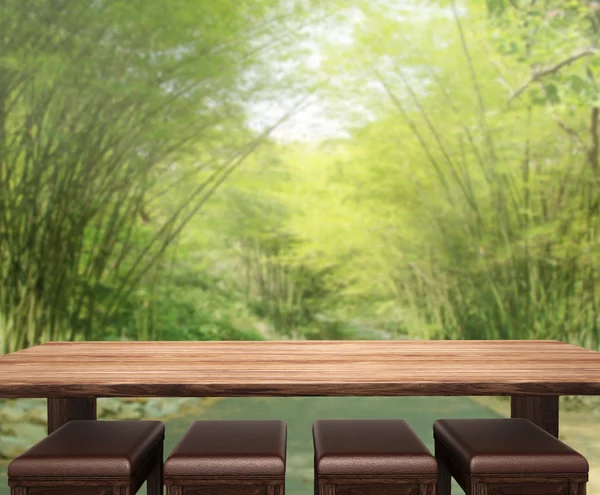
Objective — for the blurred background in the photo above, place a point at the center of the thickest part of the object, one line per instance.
(297, 169)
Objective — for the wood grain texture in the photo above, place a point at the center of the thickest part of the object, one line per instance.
(444, 484)
(479, 489)
(62, 410)
(276, 489)
(428, 489)
(300, 368)
(325, 489)
(71, 490)
(531, 488)
(180, 485)
(540, 410)
(375, 486)
(229, 489)
(225, 487)
(448, 468)
(154, 483)
(150, 471)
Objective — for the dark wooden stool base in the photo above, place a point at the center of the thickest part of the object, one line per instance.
(375, 486)
(227, 487)
(371, 457)
(92, 458)
(228, 458)
(150, 472)
(506, 457)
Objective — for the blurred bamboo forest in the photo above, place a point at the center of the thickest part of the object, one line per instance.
(154, 184)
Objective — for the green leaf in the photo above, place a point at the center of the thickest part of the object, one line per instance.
(552, 93)
(495, 7)
(578, 84)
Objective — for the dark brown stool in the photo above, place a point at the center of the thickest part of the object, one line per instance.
(378, 457)
(92, 458)
(229, 458)
(506, 456)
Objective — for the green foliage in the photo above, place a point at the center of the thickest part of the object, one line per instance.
(183, 307)
(105, 107)
(471, 200)
(254, 250)
(463, 203)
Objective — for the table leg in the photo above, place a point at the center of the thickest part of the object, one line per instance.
(539, 409)
(64, 409)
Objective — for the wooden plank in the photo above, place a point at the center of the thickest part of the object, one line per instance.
(300, 368)
(541, 410)
(62, 410)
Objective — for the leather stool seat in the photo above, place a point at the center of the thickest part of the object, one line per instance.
(95, 453)
(215, 455)
(515, 452)
(373, 455)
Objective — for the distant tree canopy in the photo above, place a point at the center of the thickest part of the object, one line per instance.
(100, 104)
(467, 204)
(461, 200)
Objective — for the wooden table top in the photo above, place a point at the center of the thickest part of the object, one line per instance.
(294, 368)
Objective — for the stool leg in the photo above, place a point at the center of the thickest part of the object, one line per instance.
(154, 484)
(18, 490)
(578, 488)
(444, 479)
(427, 489)
(477, 489)
(326, 489)
(276, 489)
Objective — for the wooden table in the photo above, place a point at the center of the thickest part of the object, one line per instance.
(73, 375)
